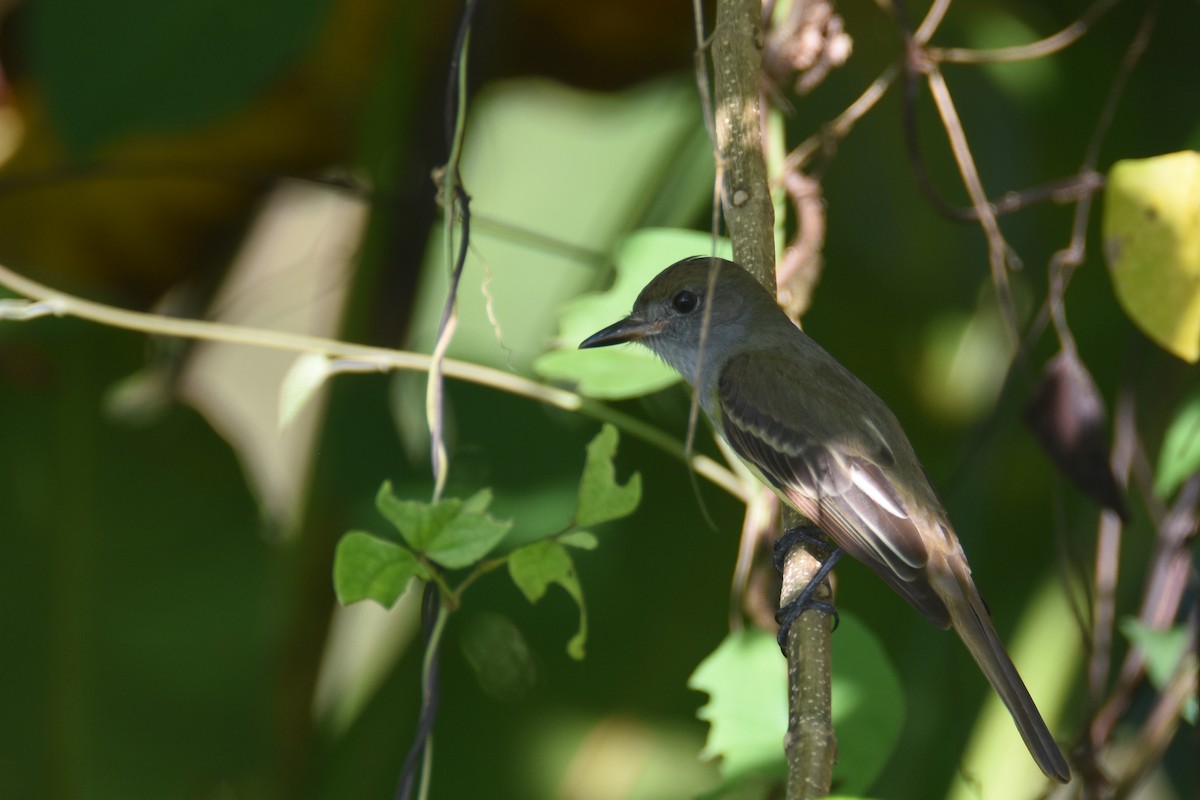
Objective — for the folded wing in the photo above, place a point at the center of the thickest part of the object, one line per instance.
(838, 478)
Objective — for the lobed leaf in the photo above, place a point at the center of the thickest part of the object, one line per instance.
(453, 533)
(601, 498)
(535, 567)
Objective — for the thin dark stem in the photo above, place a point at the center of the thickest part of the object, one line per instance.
(998, 248)
(1064, 262)
(456, 199)
(432, 619)
(917, 64)
(453, 78)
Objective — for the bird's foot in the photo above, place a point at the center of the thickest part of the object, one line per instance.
(809, 535)
(789, 613)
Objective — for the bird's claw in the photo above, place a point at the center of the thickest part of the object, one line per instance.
(806, 534)
(804, 601)
(792, 611)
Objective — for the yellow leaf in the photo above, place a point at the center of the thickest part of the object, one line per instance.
(1151, 232)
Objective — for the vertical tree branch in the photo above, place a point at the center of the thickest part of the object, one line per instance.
(810, 744)
(737, 45)
(737, 58)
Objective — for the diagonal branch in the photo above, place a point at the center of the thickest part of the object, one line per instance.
(346, 357)
(998, 248)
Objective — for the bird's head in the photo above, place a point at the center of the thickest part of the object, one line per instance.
(698, 298)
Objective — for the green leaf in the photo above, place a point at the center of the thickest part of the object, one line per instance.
(542, 130)
(868, 705)
(454, 533)
(620, 372)
(1164, 649)
(1180, 455)
(465, 539)
(746, 679)
(610, 373)
(581, 539)
(1152, 244)
(413, 520)
(535, 567)
(368, 568)
(1025, 80)
(601, 498)
(478, 503)
(116, 67)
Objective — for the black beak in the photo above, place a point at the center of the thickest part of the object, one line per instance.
(626, 330)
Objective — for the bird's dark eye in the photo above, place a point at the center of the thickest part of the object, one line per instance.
(685, 302)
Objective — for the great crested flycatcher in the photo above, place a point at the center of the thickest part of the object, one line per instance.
(829, 447)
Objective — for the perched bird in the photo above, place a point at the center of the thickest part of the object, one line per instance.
(829, 447)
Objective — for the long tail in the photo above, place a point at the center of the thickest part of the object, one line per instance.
(970, 618)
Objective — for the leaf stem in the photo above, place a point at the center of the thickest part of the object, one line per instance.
(482, 568)
(46, 301)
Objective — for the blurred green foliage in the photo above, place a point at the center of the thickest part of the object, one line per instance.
(113, 68)
(162, 639)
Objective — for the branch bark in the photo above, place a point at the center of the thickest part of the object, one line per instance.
(810, 744)
(737, 45)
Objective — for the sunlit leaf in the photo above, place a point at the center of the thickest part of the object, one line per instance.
(535, 567)
(868, 705)
(1151, 230)
(601, 498)
(746, 680)
(524, 136)
(366, 567)
(611, 373)
(1179, 458)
